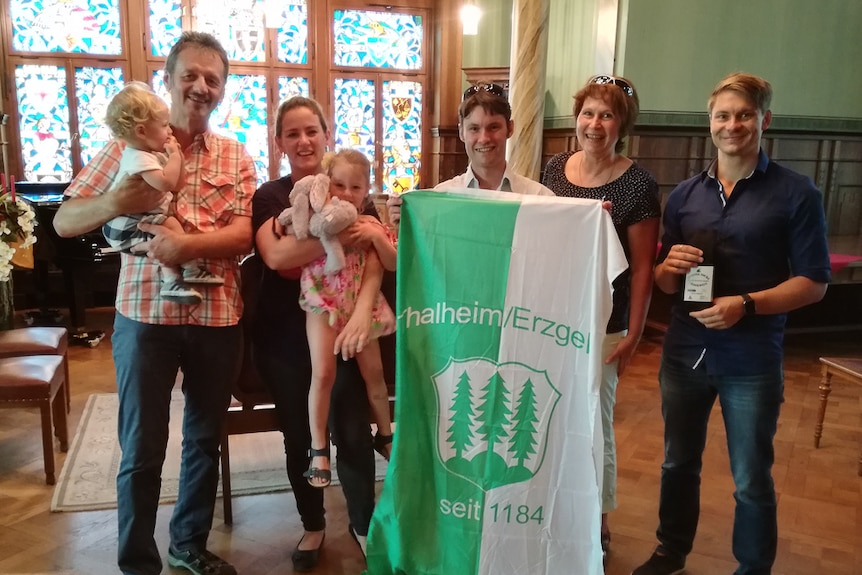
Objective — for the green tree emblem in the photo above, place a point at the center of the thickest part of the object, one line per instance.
(523, 443)
(460, 433)
(494, 412)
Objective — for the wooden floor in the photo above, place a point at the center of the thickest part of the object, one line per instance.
(820, 495)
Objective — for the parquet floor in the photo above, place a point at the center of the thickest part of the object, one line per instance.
(820, 495)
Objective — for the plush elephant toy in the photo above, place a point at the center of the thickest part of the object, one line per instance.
(313, 211)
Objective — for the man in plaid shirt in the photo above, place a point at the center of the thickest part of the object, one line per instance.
(154, 338)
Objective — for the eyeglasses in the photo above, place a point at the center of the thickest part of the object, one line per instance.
(621, 84)
(495, 89)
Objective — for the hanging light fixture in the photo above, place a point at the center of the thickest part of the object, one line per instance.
(470, 15)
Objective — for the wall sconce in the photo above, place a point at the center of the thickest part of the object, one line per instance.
(470, 15)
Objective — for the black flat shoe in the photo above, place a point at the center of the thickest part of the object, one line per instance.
(305, 560)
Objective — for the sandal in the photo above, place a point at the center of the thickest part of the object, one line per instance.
(380, 443)
(323, 475)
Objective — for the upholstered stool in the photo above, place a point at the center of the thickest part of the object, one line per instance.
(38, 381)
(38, 341)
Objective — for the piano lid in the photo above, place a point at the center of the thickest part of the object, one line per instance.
(42, 193)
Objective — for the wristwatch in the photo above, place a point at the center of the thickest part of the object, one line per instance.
(748, 305)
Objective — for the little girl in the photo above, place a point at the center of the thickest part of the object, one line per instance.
(139, 117)
(348, 306)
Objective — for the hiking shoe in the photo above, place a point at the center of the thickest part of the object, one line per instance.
(661, 565)
(199, 562)
(178, 292)
(201, 276)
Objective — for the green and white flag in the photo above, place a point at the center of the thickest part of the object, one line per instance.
(503, 301)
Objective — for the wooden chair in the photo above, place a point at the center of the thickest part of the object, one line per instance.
(38, 381)
(849, 368)
(38, 341)
(253, 410)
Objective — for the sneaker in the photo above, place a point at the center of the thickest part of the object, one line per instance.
(661, 565)
(178, 292)
(199, 562)
(201, 276)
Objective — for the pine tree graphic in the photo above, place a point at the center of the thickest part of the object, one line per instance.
(494, 412)
(460, 434)
(524, 430)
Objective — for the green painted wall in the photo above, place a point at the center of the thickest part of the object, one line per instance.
(810, 50)
(491, 47)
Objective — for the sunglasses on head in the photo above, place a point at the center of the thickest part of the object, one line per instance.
(495, 89)
(621, 84)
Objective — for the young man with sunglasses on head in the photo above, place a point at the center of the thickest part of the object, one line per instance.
(484, 125)
(765, 230)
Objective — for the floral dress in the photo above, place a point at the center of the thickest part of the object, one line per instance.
(336, 294)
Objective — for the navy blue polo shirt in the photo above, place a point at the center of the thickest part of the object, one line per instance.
(771, 228)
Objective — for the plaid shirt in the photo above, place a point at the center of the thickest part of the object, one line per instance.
(219, 183)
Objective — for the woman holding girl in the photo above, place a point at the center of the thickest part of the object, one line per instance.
(605, 111)
(280, 345)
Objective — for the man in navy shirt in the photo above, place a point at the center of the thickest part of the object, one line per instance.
(763, 229)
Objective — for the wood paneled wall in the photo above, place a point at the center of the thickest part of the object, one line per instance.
(671, 155)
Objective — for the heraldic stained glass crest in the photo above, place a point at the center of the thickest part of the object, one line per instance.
(402, 138)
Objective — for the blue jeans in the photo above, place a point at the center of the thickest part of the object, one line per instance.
(147, 358)
(750, 406)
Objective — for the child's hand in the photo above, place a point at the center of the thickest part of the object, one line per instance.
(362, 232)
(354, 336)
(172, 146)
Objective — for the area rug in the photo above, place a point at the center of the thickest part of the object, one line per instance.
(88, 479)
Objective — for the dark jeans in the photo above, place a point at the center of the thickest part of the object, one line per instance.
(750, 406)
(289, 382)
(147, 358)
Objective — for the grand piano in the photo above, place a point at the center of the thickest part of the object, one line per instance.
(83, 264)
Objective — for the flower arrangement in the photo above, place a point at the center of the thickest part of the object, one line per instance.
(17, 221)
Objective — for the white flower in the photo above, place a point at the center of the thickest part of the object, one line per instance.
(6, 252)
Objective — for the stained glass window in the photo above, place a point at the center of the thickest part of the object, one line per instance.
(166, 25)
(377, 39)
(43, 108)
(288, 87)
(87, 27)
(354, 116)
(238, 24)
(242, 116)
(402, 137)
(292, 19)
(94, 88)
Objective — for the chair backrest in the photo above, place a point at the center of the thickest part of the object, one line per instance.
(248, 388)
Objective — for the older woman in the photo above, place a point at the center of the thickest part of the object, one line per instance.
(605, 111)
(281, 351)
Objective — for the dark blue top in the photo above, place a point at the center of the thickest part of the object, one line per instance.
(771, 228)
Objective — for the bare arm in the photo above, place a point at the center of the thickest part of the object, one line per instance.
(168, 177)
(368, 230)
(172, 248)
(282, 251)
(642, 237)
(354, 336)
(80, 215)
(787, 296)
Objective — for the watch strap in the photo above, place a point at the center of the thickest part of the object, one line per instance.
(748, 305)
